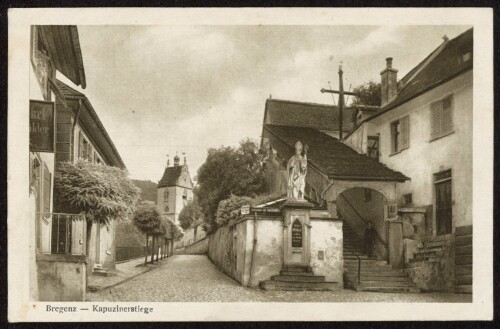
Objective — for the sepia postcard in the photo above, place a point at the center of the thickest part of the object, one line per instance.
(293, 164)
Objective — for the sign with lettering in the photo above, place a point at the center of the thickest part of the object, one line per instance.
(41, 126)
(297, 234)
(245, 210)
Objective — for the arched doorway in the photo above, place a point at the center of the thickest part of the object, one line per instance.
(360, 207)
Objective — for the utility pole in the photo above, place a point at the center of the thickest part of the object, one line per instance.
(341, 93)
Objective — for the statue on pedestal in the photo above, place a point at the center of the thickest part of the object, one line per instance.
(297, 170)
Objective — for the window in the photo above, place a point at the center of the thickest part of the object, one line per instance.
(41, 61)
(442, 185)
(85, 150)
(373, 147)
(407, 199)
(442, 117)
(97, 158)
(184, 194)
(165, 195)
(400, 134)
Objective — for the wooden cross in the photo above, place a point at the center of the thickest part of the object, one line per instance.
(341, 93)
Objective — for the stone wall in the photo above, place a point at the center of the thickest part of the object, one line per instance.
(251, 259)
(61, 277)
(231, 248)
(326, 249)
(200, 247)
(438, 272)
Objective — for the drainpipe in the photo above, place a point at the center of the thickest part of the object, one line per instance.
(77, 115)
(253, 247)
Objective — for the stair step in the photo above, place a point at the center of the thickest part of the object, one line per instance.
(463, 259)
(429, 249)
(297, 273)
(463, 269)
(298, 278)
(388, 278)
(388, 289)
(367, 283)
(388, 273)
(464, 240)
(433, 244)
(463, 289)
(464, 279)
(296, 268)
(463, 250)
(299, 286)
(463, 230)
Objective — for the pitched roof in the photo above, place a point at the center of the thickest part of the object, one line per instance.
(64, 46)
(446, 65)
(94, 125)
(170, 176)
(311, 115)
(330, 156)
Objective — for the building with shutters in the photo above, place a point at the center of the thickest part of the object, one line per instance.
(424, 129)
(175, 189)
(54, 51)
(81, 135)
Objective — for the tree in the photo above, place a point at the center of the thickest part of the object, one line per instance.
(103, 193)
(368, 94)
(148, 219)
(172, 233)
(190, 214)
(227, 171)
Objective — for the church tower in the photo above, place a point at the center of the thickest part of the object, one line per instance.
(174, 189)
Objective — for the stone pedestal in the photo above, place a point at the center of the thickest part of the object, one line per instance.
(296, 232)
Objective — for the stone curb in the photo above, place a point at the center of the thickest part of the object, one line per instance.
(128, 278)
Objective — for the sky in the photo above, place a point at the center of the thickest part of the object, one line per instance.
(159, 90)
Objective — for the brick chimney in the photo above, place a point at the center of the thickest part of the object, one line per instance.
(389, 82)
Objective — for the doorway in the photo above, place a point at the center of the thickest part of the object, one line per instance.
(442, 183)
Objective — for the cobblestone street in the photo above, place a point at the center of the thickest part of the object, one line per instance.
(192, 278)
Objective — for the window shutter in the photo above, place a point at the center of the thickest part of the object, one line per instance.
(447, 115)
(405, 132)
(393, 137)
(436, 119)
(90, 153)
(80, 148)
(47, 188)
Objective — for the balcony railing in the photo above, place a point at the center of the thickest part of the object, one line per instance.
(59, 233)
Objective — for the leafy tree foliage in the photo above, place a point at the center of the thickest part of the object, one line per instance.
(368, 94)
(227, 171)
(104, 193)
(190, 214)
(148, 219)
(229, 209)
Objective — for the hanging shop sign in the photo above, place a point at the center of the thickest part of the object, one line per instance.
(42, 130)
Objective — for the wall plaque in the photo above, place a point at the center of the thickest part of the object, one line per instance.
(42, 126)
(297, 234)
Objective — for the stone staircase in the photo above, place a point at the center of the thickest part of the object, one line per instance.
(374, 275)
(431, 249)
(298, 278)
(463, 259)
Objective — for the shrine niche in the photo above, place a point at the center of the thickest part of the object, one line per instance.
(297, 234)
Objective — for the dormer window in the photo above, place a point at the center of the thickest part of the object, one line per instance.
(465, 57)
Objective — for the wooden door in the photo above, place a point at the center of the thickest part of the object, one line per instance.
(443, 207)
